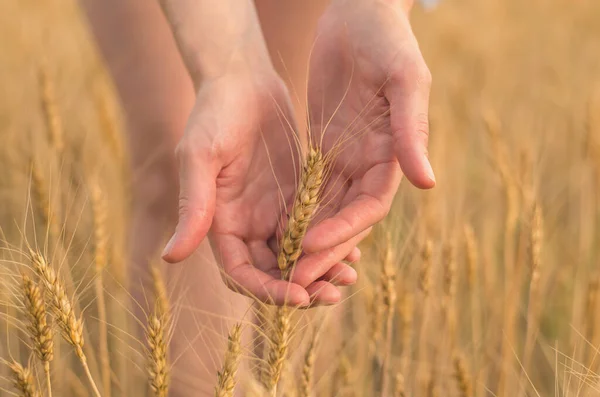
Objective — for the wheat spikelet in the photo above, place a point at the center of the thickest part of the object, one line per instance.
(306, 202)
(62, 309)
(308, 367)
(158, 369)
(23, 380)
(226, 376)
(461, 375)
(537, 236)
(51, 113)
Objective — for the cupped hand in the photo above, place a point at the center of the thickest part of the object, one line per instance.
(368, 99)
(237, 168)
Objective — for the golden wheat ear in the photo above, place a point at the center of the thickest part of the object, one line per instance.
(158, 364)
(70, 324)
(226, 376)
(23, 380)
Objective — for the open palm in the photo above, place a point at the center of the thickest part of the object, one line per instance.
(237, 174)
(368, 100)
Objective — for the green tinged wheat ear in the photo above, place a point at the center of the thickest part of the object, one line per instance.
(70, 324)
(41, 333)
(306, 202)
(308, 367)
(226, 376)
(23, 380)
(158, 365)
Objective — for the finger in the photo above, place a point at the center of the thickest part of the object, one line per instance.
(371, 204)
(341, 275)
(242, 276)
(354, 255)
(313, 266)
(408, 93)
(198, 170)
(323, 293)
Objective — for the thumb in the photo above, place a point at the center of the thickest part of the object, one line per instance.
(408, 94)
(198, 171)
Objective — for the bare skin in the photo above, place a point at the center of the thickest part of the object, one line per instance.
(222, 191)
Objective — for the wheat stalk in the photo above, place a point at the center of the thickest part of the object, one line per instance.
(41, 332)
(158, 369)
(226, 376)
(162, 305)
(62, 309)
(23, 380)
(100, 216)
(388, 288)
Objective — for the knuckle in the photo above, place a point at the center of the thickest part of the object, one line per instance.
(422, 127)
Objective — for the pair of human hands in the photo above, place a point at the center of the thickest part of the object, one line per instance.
(368, 90)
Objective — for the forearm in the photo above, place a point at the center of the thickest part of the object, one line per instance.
(217, 37)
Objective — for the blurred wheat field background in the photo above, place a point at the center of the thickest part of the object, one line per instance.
(486, 286)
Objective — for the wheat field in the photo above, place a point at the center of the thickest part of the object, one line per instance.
(488, 285)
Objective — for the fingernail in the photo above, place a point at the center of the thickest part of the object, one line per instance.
(169, 246)
(429, 170)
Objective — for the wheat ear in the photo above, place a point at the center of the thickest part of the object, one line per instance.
(308, 367)
(226, 376)
(62, 309)
(23, 380)
(158, 367)
(462, 377)
(306, 203)
(100, 215)
(53, 120)
(41, 332)
(399, 386)
(388, 288)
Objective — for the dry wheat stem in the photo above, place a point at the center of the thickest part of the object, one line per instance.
(62, 309)
(158, 367)
(41, 333)
(308, 367)
(100, 216)
(226, 376)
(23, 380)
